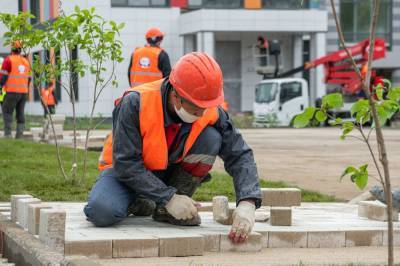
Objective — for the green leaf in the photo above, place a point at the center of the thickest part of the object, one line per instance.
(379, 92)
(391, 107)
(394, 94)
(333, 100)
(348, 170)
(321, 116)
(382, 115)
(303, 119)
(361, 178)
(360, 106)
(337, 121)
(347, 127)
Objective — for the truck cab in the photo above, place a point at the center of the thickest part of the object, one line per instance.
(278, 101)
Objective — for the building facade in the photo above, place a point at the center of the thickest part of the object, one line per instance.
(228, 30)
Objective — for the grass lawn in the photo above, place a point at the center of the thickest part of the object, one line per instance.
(31, 168)
(81, 122)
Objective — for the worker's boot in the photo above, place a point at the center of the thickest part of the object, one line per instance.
(186, 184)
(142, 207)
(20, 131)
(379, 194)
(7, 124)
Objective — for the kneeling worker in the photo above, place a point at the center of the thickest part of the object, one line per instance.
(166, 136)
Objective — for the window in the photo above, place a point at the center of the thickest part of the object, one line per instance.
(222, 3)
(285, 4)
(139, 3)
(355, 17)
(290, 91)
(20, 6)
(266, 92)
(35, 10)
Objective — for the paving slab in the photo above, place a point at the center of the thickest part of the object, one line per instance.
(376, 210)
(314, 225)
(14, 207)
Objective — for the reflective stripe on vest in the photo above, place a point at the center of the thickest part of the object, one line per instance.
(18, 77)
(145, 66)
(151, 120)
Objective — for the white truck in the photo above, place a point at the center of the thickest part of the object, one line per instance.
(278, 101)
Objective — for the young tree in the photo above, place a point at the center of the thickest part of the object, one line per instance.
(96, 38)
(380, 105)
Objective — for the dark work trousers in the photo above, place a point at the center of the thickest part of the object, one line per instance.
(109, 199)
(14, 101)
(52, 110)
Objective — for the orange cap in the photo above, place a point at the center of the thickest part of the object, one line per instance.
(16, 44)
(154, 32)
(197, 77)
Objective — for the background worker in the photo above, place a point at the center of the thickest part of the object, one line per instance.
(166, 137)
(48, 98)
(15, 80)
(150, 62)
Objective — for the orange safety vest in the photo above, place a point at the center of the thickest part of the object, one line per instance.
(48, 96)
(19, 76)
(154, 142)
(145, 66)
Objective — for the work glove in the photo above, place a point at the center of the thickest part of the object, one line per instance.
(181, 207)
(243, 221)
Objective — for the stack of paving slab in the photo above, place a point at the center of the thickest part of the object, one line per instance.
(39, 219)
(58, 123)
(281, 201)
(95, 143)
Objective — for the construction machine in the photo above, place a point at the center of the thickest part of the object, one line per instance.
(279, 98)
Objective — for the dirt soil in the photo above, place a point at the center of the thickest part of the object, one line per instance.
(315, 158)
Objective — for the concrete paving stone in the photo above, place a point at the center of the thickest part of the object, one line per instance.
(205, 207)
(252, 244)
(281, 216)
(262, 217)
(92, 248)
(326, 239)
(52, 227)
(264, 232)
(287, 239)
(284, 197)
(22, 210)
(145, 246)
(34, 217)
(375, 210)
(396, 238)
(181, 246)
(358, 238)
(221, 209)
(212, 242)
(14, 210)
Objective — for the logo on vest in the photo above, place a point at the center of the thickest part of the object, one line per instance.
(144, 62)
(21, 69)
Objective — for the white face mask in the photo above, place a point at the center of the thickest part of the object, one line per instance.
(185, 116)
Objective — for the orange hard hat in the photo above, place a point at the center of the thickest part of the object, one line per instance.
(197, 77)
(154, 32)
(16, 44)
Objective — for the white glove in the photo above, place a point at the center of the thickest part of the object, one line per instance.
(181, 207)
(243, 221)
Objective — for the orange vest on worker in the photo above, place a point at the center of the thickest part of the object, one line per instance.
(154, 142)
(18, 78)
(48, 96)
(144, 66)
